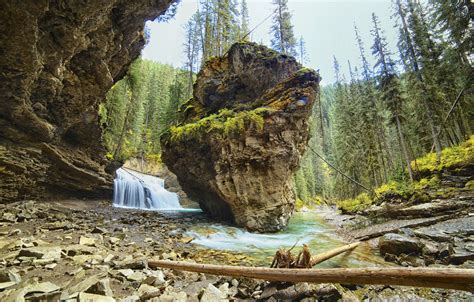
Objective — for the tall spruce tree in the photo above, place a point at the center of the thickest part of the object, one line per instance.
(389, 86)
(283, 39)
(244, 21)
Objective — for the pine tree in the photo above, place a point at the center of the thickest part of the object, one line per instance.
(302, 51)
(244, 21)
(192, 40)
(389, 85)
(419, 50)
(452, 17)
(282, 31)
(374, 112)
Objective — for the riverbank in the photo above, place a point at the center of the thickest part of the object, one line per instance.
(89, 251)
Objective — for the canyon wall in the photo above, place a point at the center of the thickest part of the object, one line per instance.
(57, 61)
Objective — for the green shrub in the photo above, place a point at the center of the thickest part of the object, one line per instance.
(452, 156)
(353, 205)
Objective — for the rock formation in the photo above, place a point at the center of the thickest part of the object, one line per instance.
(58, 59)
(242, 135)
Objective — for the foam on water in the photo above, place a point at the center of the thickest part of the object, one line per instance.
(141, 191)
(304, 228)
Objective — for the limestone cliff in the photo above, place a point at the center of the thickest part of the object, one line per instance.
(242, 135)
(57, 61)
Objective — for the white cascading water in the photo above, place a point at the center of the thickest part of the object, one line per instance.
(141, 191)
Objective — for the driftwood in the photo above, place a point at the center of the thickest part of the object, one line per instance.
(449, 278)
(284, 259)
(334, 252)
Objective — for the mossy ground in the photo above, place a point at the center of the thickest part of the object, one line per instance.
(451, 157)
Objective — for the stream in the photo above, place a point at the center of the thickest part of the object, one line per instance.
(140, 191)
(304, 228)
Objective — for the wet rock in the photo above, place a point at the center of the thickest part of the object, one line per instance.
(244, 175)
(396, 244)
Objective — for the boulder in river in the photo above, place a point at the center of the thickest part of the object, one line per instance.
(396, 244)
(242, 135)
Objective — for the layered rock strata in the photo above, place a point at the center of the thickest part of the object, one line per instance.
(57, 61)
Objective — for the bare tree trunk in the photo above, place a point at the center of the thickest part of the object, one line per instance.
(119, 143)
(404, 147)
(450, 278)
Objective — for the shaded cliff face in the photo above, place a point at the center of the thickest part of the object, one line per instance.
(57, 60)
(242, 136)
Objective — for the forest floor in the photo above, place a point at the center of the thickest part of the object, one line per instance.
(76, 250)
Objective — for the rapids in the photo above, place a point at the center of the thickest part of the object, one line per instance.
(141, 191)
(304, 227)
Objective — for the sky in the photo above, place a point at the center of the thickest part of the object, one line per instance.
(327, 26)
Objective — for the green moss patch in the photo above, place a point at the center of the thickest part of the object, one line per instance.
(450, 157)
(417, 191)
(390, 190)
(226, 122)
(353, 205)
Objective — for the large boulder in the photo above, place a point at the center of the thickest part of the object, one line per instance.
(241, 136)
(397, 244)
(58, 59)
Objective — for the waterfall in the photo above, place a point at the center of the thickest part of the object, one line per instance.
(141, 191)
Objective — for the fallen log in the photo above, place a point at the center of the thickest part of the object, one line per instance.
(448, 278)
(332, 253)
